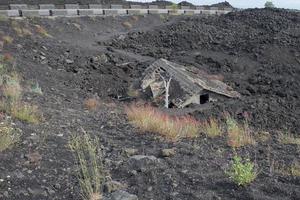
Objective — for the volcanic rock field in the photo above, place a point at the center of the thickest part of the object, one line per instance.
(85, 69)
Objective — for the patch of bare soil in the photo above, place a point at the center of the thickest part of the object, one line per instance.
(257, 52)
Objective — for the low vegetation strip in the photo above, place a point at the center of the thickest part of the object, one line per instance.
(150, 119)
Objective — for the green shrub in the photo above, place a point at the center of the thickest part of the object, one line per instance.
(242, 173)
(91, 173)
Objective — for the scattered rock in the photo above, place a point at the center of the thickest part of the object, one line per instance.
(1, 46)
(112, 186)
(69, 61)
(122, 195)
(130, 152)
(142, 162)
(168, 152)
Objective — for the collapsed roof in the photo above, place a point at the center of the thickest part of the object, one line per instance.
(191, 81)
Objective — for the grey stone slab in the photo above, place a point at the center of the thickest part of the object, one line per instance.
(115, 6)
(18, 6)
(185, 7)
(47, 6)
(153, 7)
(98, 11)
(30, 13)
(64, 12)
(13, 13)
(137, 11)
(32, 7)
(200, 8)
(135, 6)
(189, 12)
(71, 6)
(158, 11)
(214, 8)
(95, 6)
(115, 12)
(4, 7)
(228, 9)
(86, 12)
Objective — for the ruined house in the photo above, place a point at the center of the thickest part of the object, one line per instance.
(188, 85)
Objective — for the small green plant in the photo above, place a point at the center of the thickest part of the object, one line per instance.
(91, 174)
(35, 88)
(242, 173)
(8, 136)
(212, 128)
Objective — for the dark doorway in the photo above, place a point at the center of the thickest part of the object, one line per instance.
(204, 98)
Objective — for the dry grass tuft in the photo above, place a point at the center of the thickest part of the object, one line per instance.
(7, 39)
(11, 88)
(42, 31)
(8, 136)
(91, 174)
(91, 104)
(295, 170)
(25, 112)
(150, 119)
(211, 128)
(238, 135)
(127, 25)
(8, 58)
(288, 138)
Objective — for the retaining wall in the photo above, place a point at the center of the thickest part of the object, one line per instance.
(42, 10)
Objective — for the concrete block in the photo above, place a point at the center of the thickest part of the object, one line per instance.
(189, 12)
(206, 12)
(71, 6)
(158, 11)
(176, 12)
(228, 9)
(115, 6)
(137, 11)
(185, 7)
(18, 6)
(214, 8)
(4, 7)
(153, 6)
(115, 11)
(213, 12)
(35, 13)
(95, 6)
(13, 13)
(87, 12)
(98, 11)
(200, 8)
(30, 13)
(47, 6)
(64, 12)
(135, 6)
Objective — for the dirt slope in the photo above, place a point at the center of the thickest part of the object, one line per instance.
(257, 51)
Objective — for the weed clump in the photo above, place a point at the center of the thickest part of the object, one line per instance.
(147, 118)
(212, 128)
(288, 138)
(91, 173)
(238, 135)
(242, 172)
(91, 104)
(8, 136)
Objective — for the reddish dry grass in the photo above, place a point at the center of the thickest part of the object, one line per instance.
(91, 104)
(150, 119)
(7, 57)
(238, 135)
